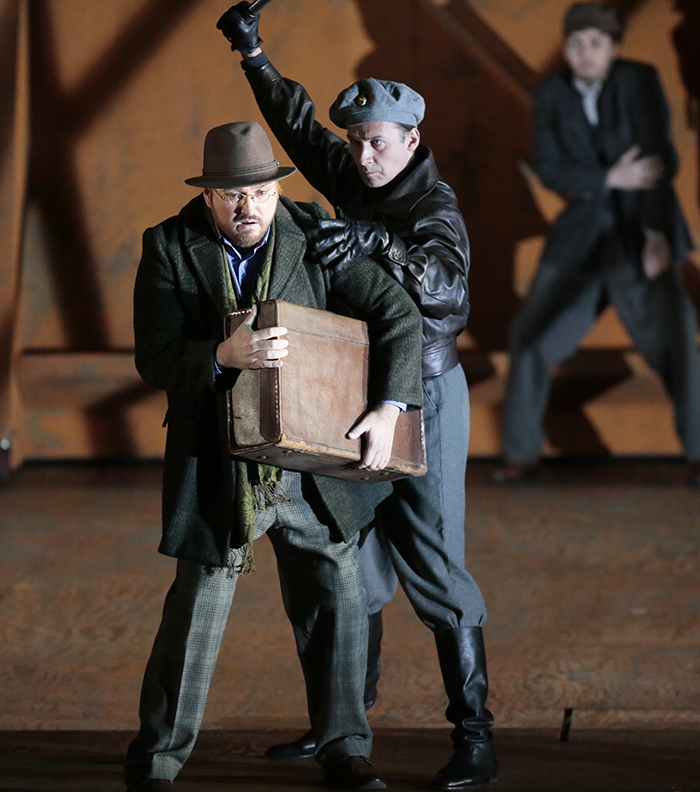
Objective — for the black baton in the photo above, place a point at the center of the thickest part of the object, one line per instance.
(258, 5)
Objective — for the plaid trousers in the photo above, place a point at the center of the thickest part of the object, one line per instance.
(324, 600)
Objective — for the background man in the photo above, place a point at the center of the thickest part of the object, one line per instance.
(685, 40)
(602, 140)
(393, 207)
(237, 243)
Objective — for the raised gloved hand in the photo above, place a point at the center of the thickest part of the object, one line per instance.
(240, 27)
(336, 242)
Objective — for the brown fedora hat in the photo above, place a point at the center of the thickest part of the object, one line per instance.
(238, 155)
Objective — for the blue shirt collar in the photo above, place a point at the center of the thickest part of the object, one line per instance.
(231, 248)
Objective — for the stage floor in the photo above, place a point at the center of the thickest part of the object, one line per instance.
(531, 761)
(591, 577)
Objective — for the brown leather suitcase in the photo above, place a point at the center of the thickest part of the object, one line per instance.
(297, 416)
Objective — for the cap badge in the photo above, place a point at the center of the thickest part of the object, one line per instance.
(361, 100)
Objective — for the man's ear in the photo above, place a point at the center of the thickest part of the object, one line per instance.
(413, 139)
(206, 192)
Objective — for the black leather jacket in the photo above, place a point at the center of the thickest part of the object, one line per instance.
(416, 207)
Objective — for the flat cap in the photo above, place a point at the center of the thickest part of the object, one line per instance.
(581, 16)
(368, 101)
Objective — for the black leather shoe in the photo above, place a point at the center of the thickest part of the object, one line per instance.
(471, 765)
(153, 785)
(301, 748)
(516, 474)
(353, 772)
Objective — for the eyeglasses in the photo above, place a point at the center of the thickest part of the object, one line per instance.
(237, 198)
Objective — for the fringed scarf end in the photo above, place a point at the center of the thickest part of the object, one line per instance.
(240, 560)
(268, 495)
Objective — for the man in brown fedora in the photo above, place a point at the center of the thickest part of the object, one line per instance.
(237, 243)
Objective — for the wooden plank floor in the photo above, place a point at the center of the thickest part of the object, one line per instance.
(591, 576)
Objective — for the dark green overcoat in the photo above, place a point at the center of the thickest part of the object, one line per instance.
(180, 301)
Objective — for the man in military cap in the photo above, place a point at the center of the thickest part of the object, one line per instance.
(603, 141)
(393, 207)
(235, 244)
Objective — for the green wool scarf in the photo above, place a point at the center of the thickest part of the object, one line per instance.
(257, 486)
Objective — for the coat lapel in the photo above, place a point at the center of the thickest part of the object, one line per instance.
(208, 257)
(290, 247)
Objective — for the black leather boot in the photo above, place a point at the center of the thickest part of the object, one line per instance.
(304, 747)
(463, 664)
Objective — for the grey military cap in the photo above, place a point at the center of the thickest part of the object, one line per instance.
(370, 100)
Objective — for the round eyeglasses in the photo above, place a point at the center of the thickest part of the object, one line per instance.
(237, 198)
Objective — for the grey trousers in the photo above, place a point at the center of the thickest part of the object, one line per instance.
(325, 602)
(419, 537)
(559, 309)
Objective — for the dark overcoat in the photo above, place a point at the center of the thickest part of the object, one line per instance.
(573, 158)
(180, 300)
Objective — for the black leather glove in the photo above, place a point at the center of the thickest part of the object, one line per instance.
(336, 242)
(240, 27)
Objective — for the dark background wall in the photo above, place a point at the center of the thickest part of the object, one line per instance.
(105, 107)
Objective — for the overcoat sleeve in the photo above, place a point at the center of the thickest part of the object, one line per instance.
(651, 120)
(175, 335)
(394, 326)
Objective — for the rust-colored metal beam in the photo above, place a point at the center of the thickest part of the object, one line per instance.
(483, 44)
(14, 114)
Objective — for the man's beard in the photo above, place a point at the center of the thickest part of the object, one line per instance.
(246, 237)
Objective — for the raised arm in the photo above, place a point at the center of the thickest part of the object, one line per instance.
(290, 113)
